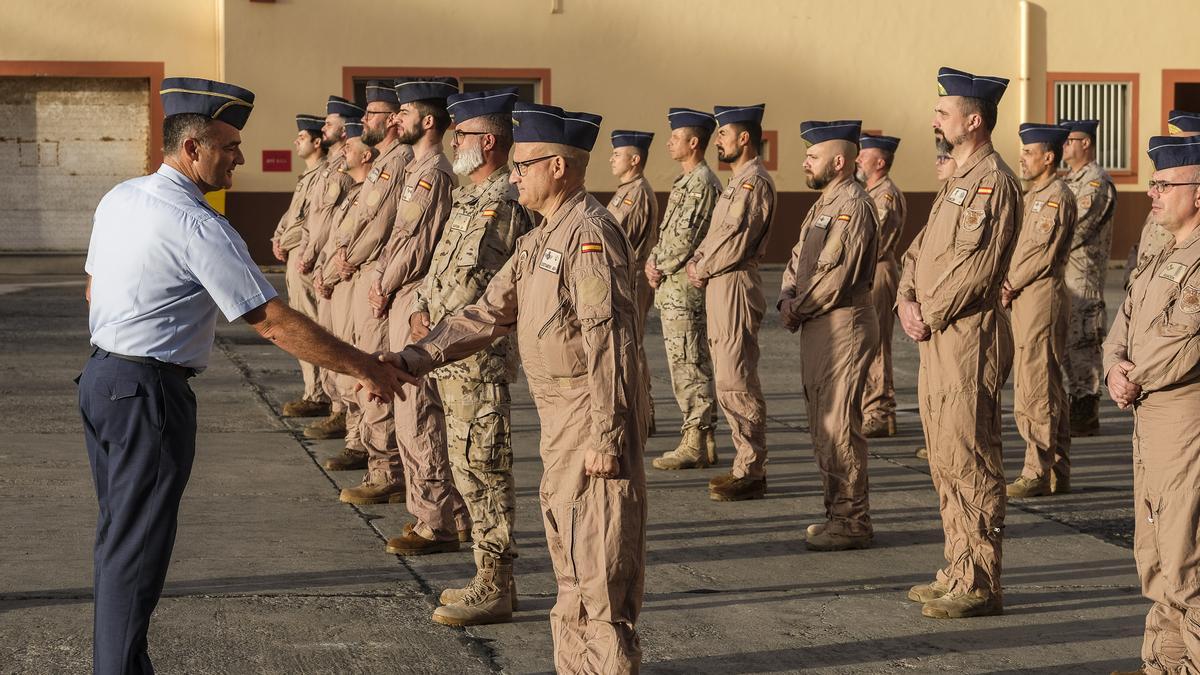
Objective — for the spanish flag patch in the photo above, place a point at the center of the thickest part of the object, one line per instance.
(425, 184)
(747, 186)
(591, 247)
(488, 213)
(1094, 183)
(844, 217)
(888, 196)
(627, 202)
(1053, 205)
(385, 175)
(983, 190)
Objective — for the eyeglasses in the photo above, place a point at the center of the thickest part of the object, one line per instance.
(459, 135)
(521, 166)
(1162, 187)
(379, 112)
(1075, 138)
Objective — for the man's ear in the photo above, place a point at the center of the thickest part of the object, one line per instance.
(636, 159)
(191, 149)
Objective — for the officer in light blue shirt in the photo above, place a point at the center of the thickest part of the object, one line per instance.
(161, 265)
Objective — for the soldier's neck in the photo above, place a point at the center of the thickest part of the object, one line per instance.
(875, 179)
(629, 176)
(555, 202)
(742, 160)
(690, 162)
(836, 184)
(963, 151)
(485, 171)
(1079, 164)
(359, 173)
(427, 145)
(1185, 231)
(1043, 180)
(313, 160)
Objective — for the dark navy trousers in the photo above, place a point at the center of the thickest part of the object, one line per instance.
(139, 423)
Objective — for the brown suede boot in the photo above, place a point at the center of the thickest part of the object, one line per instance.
(464, 536)
(833, 541)
(412, 543)
(333, 426)
(486, 600)
(349, 459)
(880, 427)
(923, 593)
(738, 489)
(303, 408)
(963, 606)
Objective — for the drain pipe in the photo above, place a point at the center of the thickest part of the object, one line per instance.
(1024, 73)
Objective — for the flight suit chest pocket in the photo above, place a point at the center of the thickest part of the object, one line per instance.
(560, 342)
(814, 237)
(972, 226)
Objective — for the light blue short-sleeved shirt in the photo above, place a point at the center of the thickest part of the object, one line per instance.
(162, 263)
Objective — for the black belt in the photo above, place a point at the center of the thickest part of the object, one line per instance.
(175, 368)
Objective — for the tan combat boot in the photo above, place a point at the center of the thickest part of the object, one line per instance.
(731, 489)
(450, 596)
(689, 454)
(1024, 487)
(923, 593)
(963, 606)
(1085, 416)
(815, 529)
(349, 459)
(333, 426)
(374, 490)
(923, 453)
(303, 408)
(464, 536)
(486, 600)
(835, 541)
(880, 427)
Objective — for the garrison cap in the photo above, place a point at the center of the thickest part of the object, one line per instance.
(340, 106)
(1183, 121)
(536, 123)
(638, 139)
(215, 100)
(472, 104)
(953, 82)
(814, 131)
(686, 117)
(1168, 152)
(888, 143)
(425, 89)
(1055, 134)
(310, 123)
(354, 129)
(728, 114)
(381, 90)
(1082, 126)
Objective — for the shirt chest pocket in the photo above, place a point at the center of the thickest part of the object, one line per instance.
(971, 229)
(471, 244)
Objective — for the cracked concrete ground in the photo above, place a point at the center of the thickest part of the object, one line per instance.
(272, 574)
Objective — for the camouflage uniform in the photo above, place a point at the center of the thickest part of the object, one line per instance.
(1087, 264)
(1147, 247)
(479, 238)
(681, 307)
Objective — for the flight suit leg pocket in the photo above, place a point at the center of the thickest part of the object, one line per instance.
(560, 519)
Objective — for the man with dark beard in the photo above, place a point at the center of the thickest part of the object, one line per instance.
(726, 265)
(949, 302)
(420, 451)
(826, 294)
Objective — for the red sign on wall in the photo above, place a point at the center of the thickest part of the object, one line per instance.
(277, 160)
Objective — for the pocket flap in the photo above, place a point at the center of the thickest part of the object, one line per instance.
(119, 389)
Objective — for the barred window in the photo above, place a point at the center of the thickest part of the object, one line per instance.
(1110, 99)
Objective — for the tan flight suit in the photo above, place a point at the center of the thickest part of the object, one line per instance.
(301, 296)
(1157, 328)
(680, 305)
(827, 288)
(329, 189)
(955, 269)
(479, 238)
(635, 209)
(569, 293)
(879, 393)
(1087, 265)
(420, 450)
(363, 238)
(728, 259)
(1040, 314)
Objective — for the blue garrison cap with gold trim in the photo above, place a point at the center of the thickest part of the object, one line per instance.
(536, 123)
(953, 82)
(1055, 134)
(686, 117)
(228, 103)
(814, 131)
(728, 114)
(380, 90)
(340, 106)
(1182, 121)
(425, 89)
(879, 141)
(472, 104)
(354, 129)
(310, 123)
(1082, 126)
(639, 139)
(1168, 152)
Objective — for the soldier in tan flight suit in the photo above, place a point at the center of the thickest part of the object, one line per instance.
(478, 240)
(725, 264)
(681, 305)
(636, 209)
(1087, 265)
(1152, 365)
(331, 188)
(874, 163)
(359, 240)
(569, 295)
(1179, 123)
(826, 295)
(949, 302)
(425, 202)
(1037, 297)
(285, 243)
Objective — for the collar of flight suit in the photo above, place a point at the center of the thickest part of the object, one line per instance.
(880, 186)
(981, 153)
(385, 154)
(640, 178)
(569, 204)
(1049, 184)
(831, 196)
(421, 164)
(750, 169)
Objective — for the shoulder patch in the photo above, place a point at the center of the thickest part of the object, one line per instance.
(1094, 183)
(1053, 205)
(747, 186)
(627, 201)
(888, 196)
(425, 184)
(844, 217)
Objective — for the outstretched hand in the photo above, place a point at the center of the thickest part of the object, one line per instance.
(384, 377)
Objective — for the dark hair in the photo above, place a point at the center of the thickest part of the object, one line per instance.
(755, 131)
(441, 118)
(985, 108)
(1057, 150)
(317, 136)
(702, 136)
(888, 157)
(178, 128)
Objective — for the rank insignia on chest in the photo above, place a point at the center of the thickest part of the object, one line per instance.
(822, 221)
(957, 196)
(1053, 205)
(374, 175)
(408, 193)
(591, 247)
(1174, 272)
(551, 261)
